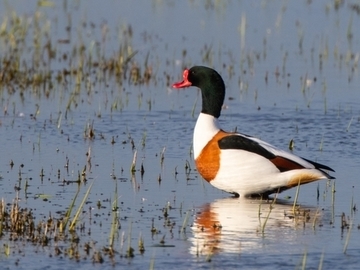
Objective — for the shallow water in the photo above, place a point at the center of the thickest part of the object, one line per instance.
(292, 74)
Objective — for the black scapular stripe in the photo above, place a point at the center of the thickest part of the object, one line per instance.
(243, 143)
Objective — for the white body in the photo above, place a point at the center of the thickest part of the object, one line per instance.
(245, 172)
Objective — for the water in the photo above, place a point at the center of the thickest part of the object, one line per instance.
(292, 74)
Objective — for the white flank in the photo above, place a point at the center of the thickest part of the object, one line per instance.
(248, 173)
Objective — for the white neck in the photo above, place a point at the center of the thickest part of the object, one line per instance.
(206, 127)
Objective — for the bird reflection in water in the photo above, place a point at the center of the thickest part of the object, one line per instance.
(233, 225)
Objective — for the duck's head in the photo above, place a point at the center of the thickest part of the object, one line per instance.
(211, 85)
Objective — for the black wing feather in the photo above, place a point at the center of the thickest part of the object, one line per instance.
(243, 143)
(319, 165)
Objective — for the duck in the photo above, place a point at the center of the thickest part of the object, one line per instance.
(237, 163)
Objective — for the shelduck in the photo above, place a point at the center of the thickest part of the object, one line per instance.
(235, 162)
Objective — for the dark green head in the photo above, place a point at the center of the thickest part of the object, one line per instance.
(211, 85)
